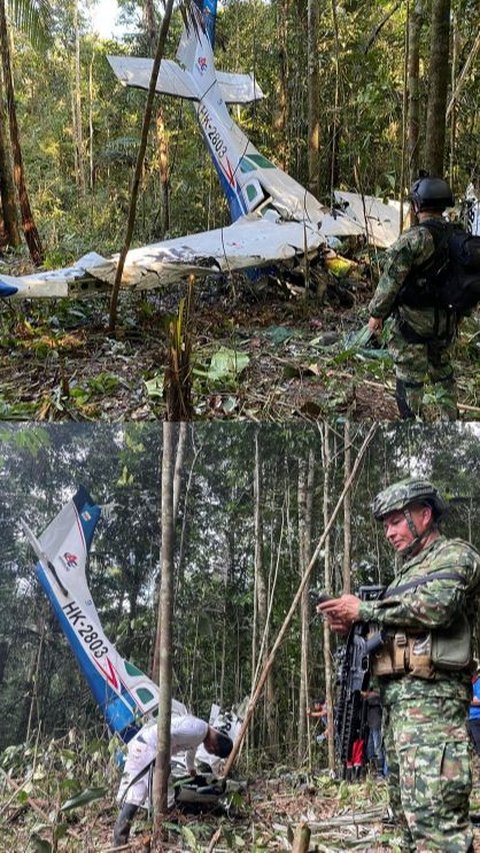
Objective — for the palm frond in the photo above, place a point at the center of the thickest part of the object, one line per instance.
(32, 17)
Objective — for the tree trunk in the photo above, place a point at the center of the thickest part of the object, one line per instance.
(335, 133)
(327, 645)
(139, 164)
(177, 479)
(4, 647)
(32, 237)
(413, 124)
(304, 614)
(164, 171)
(281, 109)
(301, 840)
(306, 475)
(8, 209)
(91, 169)
(165, 618)
(77, 107)
(150, 23)
(453, 112)
(161, 134)
(294, 605)
(262, 591)
(439, 75)
(313, 99)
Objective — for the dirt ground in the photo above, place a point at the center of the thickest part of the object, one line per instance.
(258, 350)
(267, 816)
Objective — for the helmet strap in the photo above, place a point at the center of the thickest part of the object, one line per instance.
(417, 537)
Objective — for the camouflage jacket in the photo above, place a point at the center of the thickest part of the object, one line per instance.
(433, 605)
(412, 249)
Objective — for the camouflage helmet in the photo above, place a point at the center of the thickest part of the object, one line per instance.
(431, 194)
(405, 492)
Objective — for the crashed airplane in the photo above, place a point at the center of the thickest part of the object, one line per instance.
(275, 221)
(126, 696)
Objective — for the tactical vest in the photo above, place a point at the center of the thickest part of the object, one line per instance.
(421, 654)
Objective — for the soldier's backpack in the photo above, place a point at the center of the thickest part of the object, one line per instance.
(450, 279)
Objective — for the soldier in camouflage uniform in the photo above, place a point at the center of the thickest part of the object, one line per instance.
(421, 338)
(424, 667)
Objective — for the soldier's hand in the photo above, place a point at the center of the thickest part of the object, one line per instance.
(375, 324)
(341, 612)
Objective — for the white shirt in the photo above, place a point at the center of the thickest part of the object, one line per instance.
(187, 733)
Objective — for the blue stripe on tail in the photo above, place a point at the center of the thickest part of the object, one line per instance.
(208, 9)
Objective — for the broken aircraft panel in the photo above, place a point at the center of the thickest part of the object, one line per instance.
(380, 221)
(252, 241)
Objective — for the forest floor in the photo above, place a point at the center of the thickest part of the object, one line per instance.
(257, 352)
(268, 816)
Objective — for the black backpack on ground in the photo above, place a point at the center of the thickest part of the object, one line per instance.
(450, 279)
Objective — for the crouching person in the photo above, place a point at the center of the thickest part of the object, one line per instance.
(187, 733)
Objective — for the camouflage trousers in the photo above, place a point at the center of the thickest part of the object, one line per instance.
(413, 363)
(428, 755)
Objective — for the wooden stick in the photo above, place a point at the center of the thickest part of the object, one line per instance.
(464, 408)
(213, 841)
(301, 841)
(283, 630)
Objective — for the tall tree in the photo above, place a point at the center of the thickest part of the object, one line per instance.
(280, 119)
(413, 86)
(161, 132)
(439, 77)
(34, 16)
(165, 617)
(147, 117)
(306, 475)
(77, 106)
(313, 88)
(261, 587)
(8, 207)
(327, 642)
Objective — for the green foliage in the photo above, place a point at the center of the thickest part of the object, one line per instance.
(89, 795)
(63, 769)
(369, 139)
(34, 18)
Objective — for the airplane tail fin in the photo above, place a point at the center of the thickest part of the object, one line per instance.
(123, 692)
(208, 8)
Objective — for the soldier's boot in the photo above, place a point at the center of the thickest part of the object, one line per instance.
(403, 392)
(121, 830)
(447, 403)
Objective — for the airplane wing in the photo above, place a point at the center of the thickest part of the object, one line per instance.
(173, 80)
(252, 241)
(123, 693)
(379, 221)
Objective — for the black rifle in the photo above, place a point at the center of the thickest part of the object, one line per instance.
(350, 718)
(351, 730)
